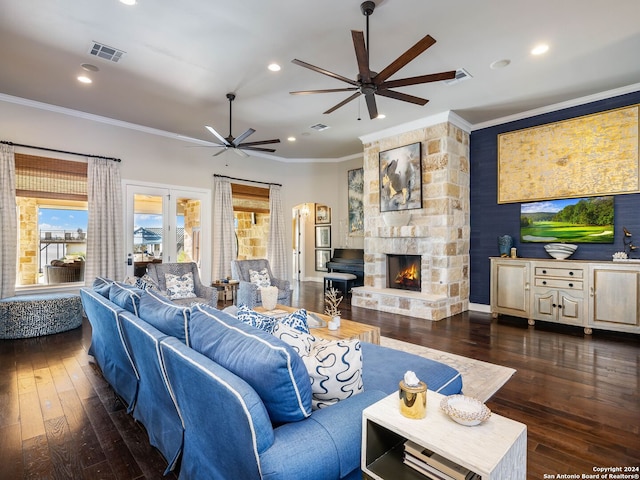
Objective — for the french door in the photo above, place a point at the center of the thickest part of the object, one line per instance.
(167, 224)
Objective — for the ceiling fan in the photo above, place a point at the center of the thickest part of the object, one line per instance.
(370, 83)
(237, 144)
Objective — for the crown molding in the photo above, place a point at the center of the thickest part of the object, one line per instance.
(443, 117)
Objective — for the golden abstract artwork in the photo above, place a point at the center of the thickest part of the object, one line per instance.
(591, 155)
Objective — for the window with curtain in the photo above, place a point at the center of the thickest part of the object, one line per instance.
(51, 196)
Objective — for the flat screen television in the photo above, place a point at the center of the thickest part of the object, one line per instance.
(570, 220)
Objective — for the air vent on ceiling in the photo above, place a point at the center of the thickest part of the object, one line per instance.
(319, 127)
(461, 75)
(104, 51)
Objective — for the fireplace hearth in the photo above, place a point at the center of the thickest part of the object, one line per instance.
(403, 272)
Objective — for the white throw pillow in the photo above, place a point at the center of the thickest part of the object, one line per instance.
(300, 341)
(334, 366)
(335, 371)
(179, 286)
(260, 278)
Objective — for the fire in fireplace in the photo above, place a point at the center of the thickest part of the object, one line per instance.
(403, 272)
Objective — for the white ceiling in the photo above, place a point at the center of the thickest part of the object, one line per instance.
(182, 57)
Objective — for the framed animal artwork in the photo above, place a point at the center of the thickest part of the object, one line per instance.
(401, 178)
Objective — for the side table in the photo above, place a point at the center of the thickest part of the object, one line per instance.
(226, 286)
(495, 449)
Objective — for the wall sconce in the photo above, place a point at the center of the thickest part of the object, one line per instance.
(305, 211)
(628, 243)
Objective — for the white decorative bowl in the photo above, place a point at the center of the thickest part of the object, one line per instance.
(396, 219)
(465, 410)
(560, 251)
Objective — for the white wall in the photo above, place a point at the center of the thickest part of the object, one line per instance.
(159, 159)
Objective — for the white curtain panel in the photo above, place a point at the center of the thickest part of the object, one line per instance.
(105, 238)
(8, 217)
(224, 235)
(276, 250)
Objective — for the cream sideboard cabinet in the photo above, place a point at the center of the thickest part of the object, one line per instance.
(602, 295)
(614, 297)
(558, 292)
(510, 287)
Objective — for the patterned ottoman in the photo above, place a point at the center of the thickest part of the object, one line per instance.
(27, 316)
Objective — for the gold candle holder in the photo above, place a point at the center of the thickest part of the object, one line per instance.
(413, 400)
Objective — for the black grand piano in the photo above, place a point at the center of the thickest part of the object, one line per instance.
(348, 260)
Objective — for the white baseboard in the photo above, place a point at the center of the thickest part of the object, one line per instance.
(480, 307)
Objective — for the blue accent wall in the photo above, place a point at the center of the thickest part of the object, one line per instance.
(489, 219)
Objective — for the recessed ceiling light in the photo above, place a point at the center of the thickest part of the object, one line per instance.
(540, 49)
(274, 67)
(128, 2)
(84, 79)
(291, 139)
(500, 63)
(89, 67)
(381, 116)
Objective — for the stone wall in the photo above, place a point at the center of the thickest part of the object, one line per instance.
(439, 231)
(252, 237)
(27, 241)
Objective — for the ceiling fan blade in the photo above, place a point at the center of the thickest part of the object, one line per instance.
(237, 151)
(371, 105)
(324, 72)
(261, 142)
(329, 90)
(361, 55)
(221, 151)
(344, 102)
(217, 135)
(237, 141)
(258, 149)
(402, 96)
(405, 58)
(433, 77)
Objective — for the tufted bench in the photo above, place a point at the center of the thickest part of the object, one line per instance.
(27, 316)
(344, 280)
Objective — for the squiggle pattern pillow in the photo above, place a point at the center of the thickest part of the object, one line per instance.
(261, 278)
(334, 367)
(179, 286)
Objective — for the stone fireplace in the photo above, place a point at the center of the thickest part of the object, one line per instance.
(437, 234)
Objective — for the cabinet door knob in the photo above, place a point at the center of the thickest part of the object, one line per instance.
(571, 273)
(544, 282)
(544, 271)
(571, 285)
(553, 305)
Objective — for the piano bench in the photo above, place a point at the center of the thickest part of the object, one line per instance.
(344, 280)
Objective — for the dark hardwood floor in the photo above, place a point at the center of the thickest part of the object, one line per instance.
(578, 395)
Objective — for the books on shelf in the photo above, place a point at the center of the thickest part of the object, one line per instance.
(434, 466)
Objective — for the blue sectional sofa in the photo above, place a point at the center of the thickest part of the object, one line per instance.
(223, 399)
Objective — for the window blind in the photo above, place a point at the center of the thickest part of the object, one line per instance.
(45, 177)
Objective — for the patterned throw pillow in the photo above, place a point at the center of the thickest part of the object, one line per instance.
(296, 320)
(301, 342)
(335, 370)
(261, 278)
(255, 319)
(334, 367)
(179, 286)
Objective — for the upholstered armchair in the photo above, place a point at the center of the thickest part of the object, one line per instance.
(203, 293)
(248, 292)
